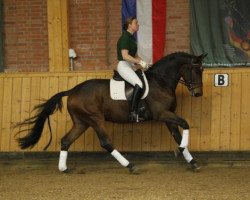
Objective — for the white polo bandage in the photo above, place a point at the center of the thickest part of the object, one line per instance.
(187, 155)
(62, 161)
(185, 138)
(123, 161)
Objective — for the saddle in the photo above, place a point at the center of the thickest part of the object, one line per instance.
(122, 90)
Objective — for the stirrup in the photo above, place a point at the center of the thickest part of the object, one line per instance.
(134, 117)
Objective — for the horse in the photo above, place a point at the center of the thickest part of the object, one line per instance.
(90, 105)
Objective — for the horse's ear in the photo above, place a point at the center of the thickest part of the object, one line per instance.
(202, 56)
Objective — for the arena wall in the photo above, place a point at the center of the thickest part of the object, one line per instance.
(218, 120)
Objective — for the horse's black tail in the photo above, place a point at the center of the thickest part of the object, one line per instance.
(44, 110)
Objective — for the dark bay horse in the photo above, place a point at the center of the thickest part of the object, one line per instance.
(89, 105)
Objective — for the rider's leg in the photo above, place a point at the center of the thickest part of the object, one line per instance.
(137, 93)
(125, 70)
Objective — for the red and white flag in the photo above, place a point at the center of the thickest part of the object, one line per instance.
(151, 15)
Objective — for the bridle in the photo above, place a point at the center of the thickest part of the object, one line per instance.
(190, 84)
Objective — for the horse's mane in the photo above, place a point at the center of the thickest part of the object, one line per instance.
(171, 57)
(168, 61)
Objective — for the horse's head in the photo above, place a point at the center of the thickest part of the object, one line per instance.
(179, 67)
(191, 73)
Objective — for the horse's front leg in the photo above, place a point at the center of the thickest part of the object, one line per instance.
(173, 121)
(174, 130)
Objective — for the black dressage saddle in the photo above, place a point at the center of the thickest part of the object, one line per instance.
(128, 87)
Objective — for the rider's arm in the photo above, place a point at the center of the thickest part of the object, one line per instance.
(129, 58)
(136, 60)
(138, 57)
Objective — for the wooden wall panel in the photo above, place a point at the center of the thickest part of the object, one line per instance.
(25, 101)
(215, 120)
(16, 108)
(118, 136)
(205, 122)
(6, 119)
(146, 136)
(1, 109)
(245, 112)
(219, 120)
(235, 120)
(165, 138)
(44, 94)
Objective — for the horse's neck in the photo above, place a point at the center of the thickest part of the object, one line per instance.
(164, 80)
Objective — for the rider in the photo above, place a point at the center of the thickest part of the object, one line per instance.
(128, 60)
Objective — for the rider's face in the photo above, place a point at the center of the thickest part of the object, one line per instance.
(134, 25)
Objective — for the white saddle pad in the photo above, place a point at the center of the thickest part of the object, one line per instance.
(117, 89)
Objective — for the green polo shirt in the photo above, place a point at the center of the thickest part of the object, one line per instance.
(126, 41)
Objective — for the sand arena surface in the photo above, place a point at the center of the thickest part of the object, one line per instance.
(105, 179)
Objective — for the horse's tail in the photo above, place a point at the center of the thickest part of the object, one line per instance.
(44, 110)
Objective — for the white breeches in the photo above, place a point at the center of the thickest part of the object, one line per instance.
(125, 69)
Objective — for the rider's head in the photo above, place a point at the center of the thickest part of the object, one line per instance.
(131, 24)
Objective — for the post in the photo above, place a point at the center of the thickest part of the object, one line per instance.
(58, 35)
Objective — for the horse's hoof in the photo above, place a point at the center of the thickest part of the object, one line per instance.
(66, 171)
(195, 167)
(133, 169)
(177, 153)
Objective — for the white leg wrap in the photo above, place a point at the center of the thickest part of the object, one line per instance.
(185, 138)
(62, 161)
(187, 155)
(123, 161)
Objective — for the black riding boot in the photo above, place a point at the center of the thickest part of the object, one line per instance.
(136, 96)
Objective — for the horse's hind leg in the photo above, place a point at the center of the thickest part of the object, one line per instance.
(99, 127)
(67, 140)
(174, 130)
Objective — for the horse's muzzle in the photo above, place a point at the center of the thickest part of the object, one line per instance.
(198, 94)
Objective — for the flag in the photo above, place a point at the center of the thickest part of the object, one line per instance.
(151, 15)
(222, 31)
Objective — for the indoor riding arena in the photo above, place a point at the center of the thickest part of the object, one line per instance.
(200, 150)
